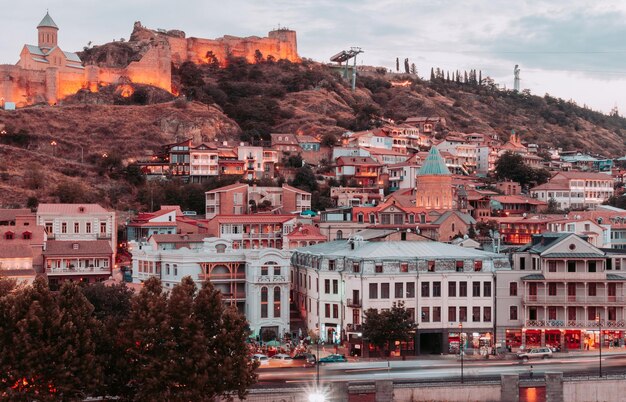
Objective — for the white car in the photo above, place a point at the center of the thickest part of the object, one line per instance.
(262, 359)
(536, 353)
(281, 360)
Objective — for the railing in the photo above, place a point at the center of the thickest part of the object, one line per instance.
(73, 271)
(222, 277)
(353, 303)
(572, 276)
(575, 324)
(272, 278)
(236, 295)
(277, 235)
(567, 299)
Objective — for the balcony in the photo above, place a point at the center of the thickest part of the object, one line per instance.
(79, 271)
(575, 276)
(573, 299)
(353, 327)
(272, 279)
(276, 235)
(356, 303)
(366, 174)
(222, 277)
(587, 324)
(234, 296)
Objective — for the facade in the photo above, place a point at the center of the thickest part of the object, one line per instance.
(434, 183)
(442, 285)
(255, 281)
(576, 190)
(364, 170)
(21, 248)
(559, 288)
(253, 231)
(204, 163)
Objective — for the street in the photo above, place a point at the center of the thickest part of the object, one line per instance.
(446, 369)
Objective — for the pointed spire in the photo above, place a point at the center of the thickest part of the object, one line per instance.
(434, 165)
(47, 21)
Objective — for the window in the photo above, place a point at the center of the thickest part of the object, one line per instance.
(463, 289)
(425, 289)
(551, 266)
(463, 314)
(384, 290)
(263, 302)
(486, 289)
(475, 314)
(167, 269)
(551, 313)
(277, 302)
(410, 289)
(26, 235)
(513, 313)
(335, 311)
(551, 288)
(339, 235)
(592, 289)
(487, 314)
(425, 314)
(451, 313)
(356, 316)
(532, 313)
(452, 289)
(513, 289)
(331, 265)
(436, 314)
(373, 291)
(63, 227)
(76, 227)
(592, 266)
(476, 289)
(103, 227)
(335, 286)
(436, 289)
(49, 228)
(175, 270)
(379, 268)
(571, 266)
(431, 266)
(522, 263)
(459, 266)
(398, 290)
(327, 286)
(276, 268)
(264, 272)
(356, 267)
(327, 310)
(404, 267)
(478, 266)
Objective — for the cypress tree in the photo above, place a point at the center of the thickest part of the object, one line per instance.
(432, 74)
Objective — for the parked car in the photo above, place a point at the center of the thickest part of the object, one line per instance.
(262, 359)
(333, 359)
(304, 359)
(535, 353)
(281, 360)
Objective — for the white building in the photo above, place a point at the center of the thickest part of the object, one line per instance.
(443, 285)
(576, 190)
(255, 281)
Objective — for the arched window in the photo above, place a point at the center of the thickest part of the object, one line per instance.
(263, 302)
(277, 302)
(360, 217)
(339, 235)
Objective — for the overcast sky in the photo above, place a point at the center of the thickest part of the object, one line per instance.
(572, 49)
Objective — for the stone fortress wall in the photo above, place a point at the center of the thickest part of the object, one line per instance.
(26, 86)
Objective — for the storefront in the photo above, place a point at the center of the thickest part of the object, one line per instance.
(553, 338)
(513, 339)
(573, 339)
(532, 338)
(479, 341)
(453, 342)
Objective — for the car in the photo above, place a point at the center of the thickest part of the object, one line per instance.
(304, 359)
(262, 359)
(334, 358)
(535, 353)
(281, 360)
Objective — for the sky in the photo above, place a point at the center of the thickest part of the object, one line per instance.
(571, 49)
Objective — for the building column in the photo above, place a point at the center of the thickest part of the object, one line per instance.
(509, 387)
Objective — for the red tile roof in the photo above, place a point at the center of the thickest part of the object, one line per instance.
(356, 161)
(8, 250)
(10, 214)
(85, 248)
(308, 232)
(256, 218)
(179, 238)
(70, 209)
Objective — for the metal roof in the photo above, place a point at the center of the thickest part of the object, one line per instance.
(614, 277)
(573, 255)
(396, 250)
(72, 57)
(533, 277)
(47, 22)
(434, 165)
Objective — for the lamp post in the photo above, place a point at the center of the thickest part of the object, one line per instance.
(461, 344)
(53, 144)
(599, 321)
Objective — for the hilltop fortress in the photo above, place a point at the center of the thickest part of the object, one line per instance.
(45, 73)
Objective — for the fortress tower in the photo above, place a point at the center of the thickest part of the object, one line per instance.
(47, 32)
(434, 183)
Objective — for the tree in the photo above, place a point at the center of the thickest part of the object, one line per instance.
(484, 227)
(413, 69)
(258, 56)
(212, 60)
(406, 66)
(432, 75)
(385, 327)
(397, 64)
(511, 166)
(328, 140)
(32, 203)
(471, 232)
(305, 179)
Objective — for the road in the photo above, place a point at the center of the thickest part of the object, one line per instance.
(447, 369)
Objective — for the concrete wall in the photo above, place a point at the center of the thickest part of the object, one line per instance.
(594, 390)
(449, 393)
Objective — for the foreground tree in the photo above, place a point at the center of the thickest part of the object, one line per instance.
(388, 326)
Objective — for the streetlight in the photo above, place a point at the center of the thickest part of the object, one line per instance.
(53, 144)
(599, 321)
(461, 348)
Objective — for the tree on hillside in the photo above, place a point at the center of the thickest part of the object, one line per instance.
(484, 227)
(406, 66)
(397, 64)
(388, 326)
(212, 61)
(258, 56)
(432, 74)
(305, 179)
(413, 69)
(511, 166)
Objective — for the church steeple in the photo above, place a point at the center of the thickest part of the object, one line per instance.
(47, 32)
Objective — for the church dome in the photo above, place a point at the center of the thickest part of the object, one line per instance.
(47, 22)
(434, 165)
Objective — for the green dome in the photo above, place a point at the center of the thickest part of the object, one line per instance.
(434, 165)
(47, 22)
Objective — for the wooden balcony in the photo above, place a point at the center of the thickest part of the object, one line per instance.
(222, 277)
(573, 300)
(575, 276)
(78, 271)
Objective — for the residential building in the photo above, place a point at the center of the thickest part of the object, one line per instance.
(203, 162)
(256, 282)
(308, 143)
(253, 231)
(364, 170)
(168, 220)
(511, 205)
(21, 249)
(441, 285)
(576, 190)
(559, 291)
(356, 196)
(287, 143)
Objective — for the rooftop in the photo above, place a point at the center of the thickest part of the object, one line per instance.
(434, 165)
(47, 21)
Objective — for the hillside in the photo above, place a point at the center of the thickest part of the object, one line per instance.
(248, 102)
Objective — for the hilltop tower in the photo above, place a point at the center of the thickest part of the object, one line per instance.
(47, 32)
(434, 183)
